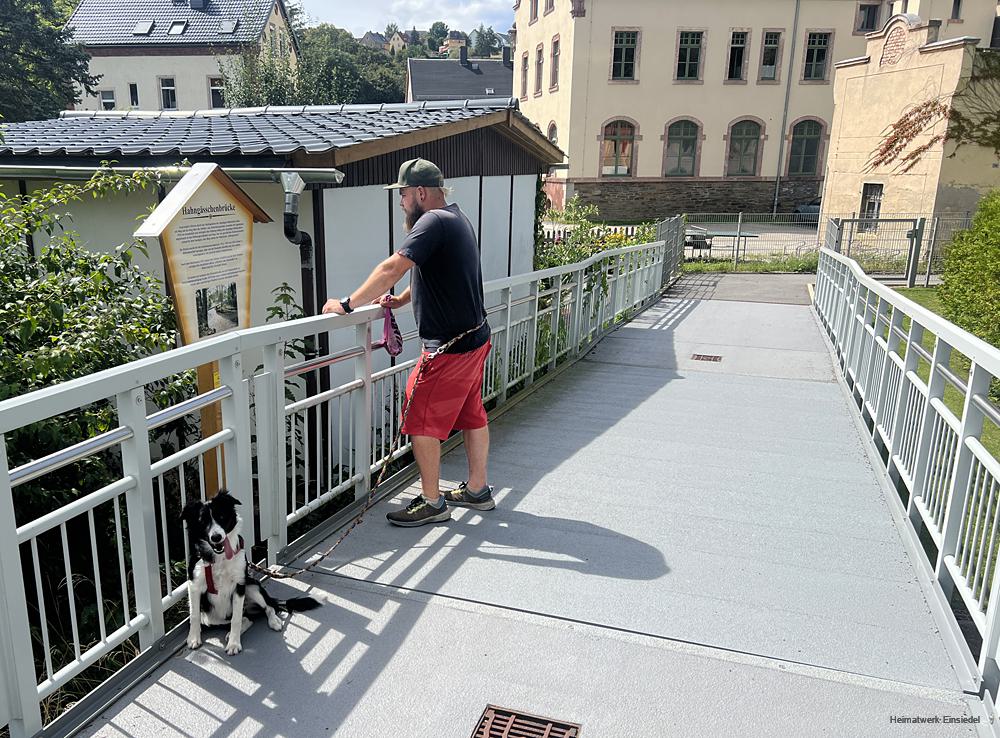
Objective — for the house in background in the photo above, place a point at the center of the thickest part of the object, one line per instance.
(871, 92)
(375, 41)
(503, 38)
(165, 54)
(672, 107)
(455, 40)
(459, 79)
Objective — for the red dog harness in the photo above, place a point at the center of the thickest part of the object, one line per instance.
(230, 553)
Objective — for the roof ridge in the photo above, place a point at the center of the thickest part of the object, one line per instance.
(499, 103)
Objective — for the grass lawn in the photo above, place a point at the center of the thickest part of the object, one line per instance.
(798, 264)
(929, 298)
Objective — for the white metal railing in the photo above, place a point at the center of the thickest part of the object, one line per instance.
(116, 555)
(928, 422)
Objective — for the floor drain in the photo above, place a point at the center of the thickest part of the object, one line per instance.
(706, 357)
(499, 722)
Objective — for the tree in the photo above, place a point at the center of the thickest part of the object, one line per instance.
(41, 71)
(390, 30)
(437, 35)
(487, 42)
(254, 78)
(971, 115)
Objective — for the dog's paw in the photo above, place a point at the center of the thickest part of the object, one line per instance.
(233, 647)
(273, 622)
(194, 641)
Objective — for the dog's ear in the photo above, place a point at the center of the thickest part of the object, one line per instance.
(191, 511)
(223, 494)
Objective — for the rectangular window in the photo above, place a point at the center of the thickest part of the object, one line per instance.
(737, 55)
(623, 61)
(177, 28)
(817, 51)
(168, 94)
(107, 99)
(956, 9)
(689, 55)
(770, 56)
(554, 81)
(871, 206)
(524, 75)
(539, 64)
(215, 92)
(868, 18)
(273, 38)
(133, 95)
(533, 10)
(550, 5)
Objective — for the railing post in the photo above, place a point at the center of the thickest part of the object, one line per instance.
(505, 348)
(17, 664)
(532, 335)
(141, 515)
(363, 412)
(556, 313)
(274, 362)
(270, 435)
(577, 334)
(930, 250)
(236, 417)
(736, 241)
(916, 237)
(971, 427)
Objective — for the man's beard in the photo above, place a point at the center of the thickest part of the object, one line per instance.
(412, 216)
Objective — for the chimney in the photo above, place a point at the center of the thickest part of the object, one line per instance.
(506, 57)
(463, 55)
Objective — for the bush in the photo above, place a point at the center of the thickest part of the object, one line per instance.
(971, 280)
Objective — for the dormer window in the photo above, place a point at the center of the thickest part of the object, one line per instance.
(142, 28)
(177, 28)
(227, 27)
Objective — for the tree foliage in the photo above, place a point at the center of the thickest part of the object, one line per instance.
(487, 42)
(971, 115)
(41, 71)
(436, 35)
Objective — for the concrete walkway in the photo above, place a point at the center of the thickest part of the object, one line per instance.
(680, 548)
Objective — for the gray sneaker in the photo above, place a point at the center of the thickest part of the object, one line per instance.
(418, 512)
(463, 497)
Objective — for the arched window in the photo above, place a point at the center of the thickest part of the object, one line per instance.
(744, 145)
(616, 149)
(682, 149)
(804, 157)
(553, 133)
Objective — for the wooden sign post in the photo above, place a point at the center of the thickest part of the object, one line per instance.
(205, 229)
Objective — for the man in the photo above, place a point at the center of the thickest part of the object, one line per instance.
(446, 287)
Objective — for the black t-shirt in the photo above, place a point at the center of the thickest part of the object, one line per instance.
(447, 284)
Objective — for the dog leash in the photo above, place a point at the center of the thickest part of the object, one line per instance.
(424, 361)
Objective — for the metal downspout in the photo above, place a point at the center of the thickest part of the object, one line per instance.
(784, 113)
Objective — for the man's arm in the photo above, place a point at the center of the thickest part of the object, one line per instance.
(394, 301)
(384, 276)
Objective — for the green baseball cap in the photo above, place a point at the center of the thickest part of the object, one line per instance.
(418, 173)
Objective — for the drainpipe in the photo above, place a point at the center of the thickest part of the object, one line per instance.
(784, 113)
(293, 185)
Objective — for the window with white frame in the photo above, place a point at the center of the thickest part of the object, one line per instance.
(216, 96)
(168, 94)
(107, 98)
(133, 94)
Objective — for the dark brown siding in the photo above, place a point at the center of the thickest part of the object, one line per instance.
(482, 152)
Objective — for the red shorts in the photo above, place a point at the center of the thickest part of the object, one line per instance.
(449, 396)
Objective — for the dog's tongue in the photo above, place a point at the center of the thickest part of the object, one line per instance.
(229, 549)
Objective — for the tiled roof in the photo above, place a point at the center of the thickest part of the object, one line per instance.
(113, 22)
(273, 130)
(449, 79)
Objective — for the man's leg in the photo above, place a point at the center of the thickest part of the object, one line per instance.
(427, 451)
(477, 451)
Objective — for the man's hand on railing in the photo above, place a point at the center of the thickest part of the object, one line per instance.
(393, 302)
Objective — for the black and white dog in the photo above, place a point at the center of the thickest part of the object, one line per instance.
(218, 576)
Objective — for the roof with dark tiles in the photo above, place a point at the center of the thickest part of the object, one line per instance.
(449, 79)
(247, 131)
(113, 22)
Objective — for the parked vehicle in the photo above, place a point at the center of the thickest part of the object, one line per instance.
(808, 212)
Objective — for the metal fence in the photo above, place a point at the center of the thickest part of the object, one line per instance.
(923, 387)
(86, 579)
(556, 232)
(881, 245)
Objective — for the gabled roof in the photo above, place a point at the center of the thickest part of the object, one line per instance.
(284, 130)
(115, 22)
(449, 79)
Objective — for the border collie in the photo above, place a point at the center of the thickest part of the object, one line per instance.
(218, 575)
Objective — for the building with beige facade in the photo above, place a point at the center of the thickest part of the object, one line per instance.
(665, 107)
(905, 64)
(165, 54)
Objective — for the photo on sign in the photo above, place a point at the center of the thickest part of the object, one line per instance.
(217, 309)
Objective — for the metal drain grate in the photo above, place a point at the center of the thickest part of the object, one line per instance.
(499, 722)
(706, 357)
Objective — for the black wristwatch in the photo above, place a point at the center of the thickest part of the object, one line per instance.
(346, 304)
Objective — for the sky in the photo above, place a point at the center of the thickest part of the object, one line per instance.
(358, 16)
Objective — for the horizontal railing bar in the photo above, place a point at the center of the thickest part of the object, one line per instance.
(984, 457)
(191, 452)
(398, 369)
(187, 407)
(402, 451)
(330, 394)
(917, 382)
(921, 352)
(955, 380)
(76, 452)
(90, 656)
(324, 361)
(78, 507)
(313, 505)
(988, 408)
